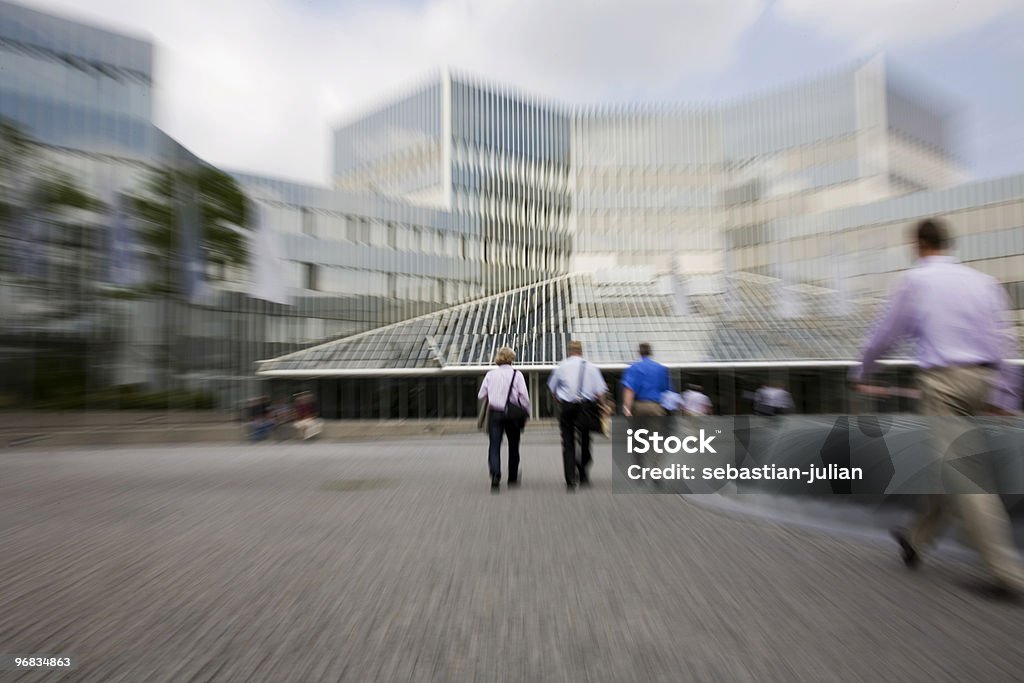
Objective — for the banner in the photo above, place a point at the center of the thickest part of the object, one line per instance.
(30, 252)
(192, 258)
(124, 267)
(268, 262)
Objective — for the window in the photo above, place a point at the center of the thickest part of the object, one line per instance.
(378, 234)
(352, 229)
(311, 276)
(308, 222)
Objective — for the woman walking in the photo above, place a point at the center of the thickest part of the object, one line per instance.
(508, 403)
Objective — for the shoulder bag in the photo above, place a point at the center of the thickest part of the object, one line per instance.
(513, 411)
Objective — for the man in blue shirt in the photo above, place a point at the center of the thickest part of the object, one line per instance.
(643, 384)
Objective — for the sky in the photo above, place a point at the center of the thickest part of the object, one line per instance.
(256, 85)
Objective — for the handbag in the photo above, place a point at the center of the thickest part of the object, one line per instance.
(513, 411)
(589, 416)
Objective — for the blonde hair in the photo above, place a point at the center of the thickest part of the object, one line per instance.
(504, 356)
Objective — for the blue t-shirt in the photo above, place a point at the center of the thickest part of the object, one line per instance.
(647, 378)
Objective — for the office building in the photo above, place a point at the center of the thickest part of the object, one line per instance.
(745, 239)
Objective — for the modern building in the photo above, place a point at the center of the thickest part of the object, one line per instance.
(747, 239)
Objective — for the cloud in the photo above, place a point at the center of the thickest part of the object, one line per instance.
(874, 24)
(256, 85)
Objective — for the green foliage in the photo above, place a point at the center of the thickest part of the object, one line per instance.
(58, 377)
(58, 190)
(61, 382)
(127, 398)
(223, 208)
(15, 146)
(223, 203)
(26, 189)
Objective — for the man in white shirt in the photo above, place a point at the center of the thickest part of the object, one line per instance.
(695, 402)
(574, 383)
(773, 399)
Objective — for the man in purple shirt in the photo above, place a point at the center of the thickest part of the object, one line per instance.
(956, 316)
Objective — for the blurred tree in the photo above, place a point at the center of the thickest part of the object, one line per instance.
(224, 214)
(49, 244)
(57, 190)
(31, 190)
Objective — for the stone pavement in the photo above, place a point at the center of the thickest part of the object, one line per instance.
(393, 561)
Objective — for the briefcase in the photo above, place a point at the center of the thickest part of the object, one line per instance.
(483, 414)
(589, 417)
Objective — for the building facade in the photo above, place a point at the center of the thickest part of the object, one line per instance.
(747, 240)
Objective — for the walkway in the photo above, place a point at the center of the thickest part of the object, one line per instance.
(393, 561)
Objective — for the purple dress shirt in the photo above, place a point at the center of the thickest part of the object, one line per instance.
(956, 316)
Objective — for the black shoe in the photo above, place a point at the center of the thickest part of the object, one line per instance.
(495, 484)
(570, 488)
(513, 483)
(584, 483)
(1001, 593)
(998, 592)
(907, 553)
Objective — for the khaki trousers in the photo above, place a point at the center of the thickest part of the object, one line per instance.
(648, 409)
(958, 393)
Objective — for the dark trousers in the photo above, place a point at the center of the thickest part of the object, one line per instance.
(568, 421)
(495, 428)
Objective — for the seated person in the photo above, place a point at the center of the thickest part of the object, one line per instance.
(257, 419)
(307, 424)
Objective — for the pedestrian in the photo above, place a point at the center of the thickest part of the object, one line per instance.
(579, 389)
(762, 401)
(671, 401)
(780, 399)
(773, 399)
(695, 401)
(282, 415)
(257, 421)
(508, 405)
(307, 423)
(956, 317)
(643, 384)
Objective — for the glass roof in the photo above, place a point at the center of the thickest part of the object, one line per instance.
(753, 319)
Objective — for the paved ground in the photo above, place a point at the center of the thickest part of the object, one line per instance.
(393, 561)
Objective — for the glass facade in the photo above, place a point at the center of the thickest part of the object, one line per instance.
(76, 86)
(496, 162)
